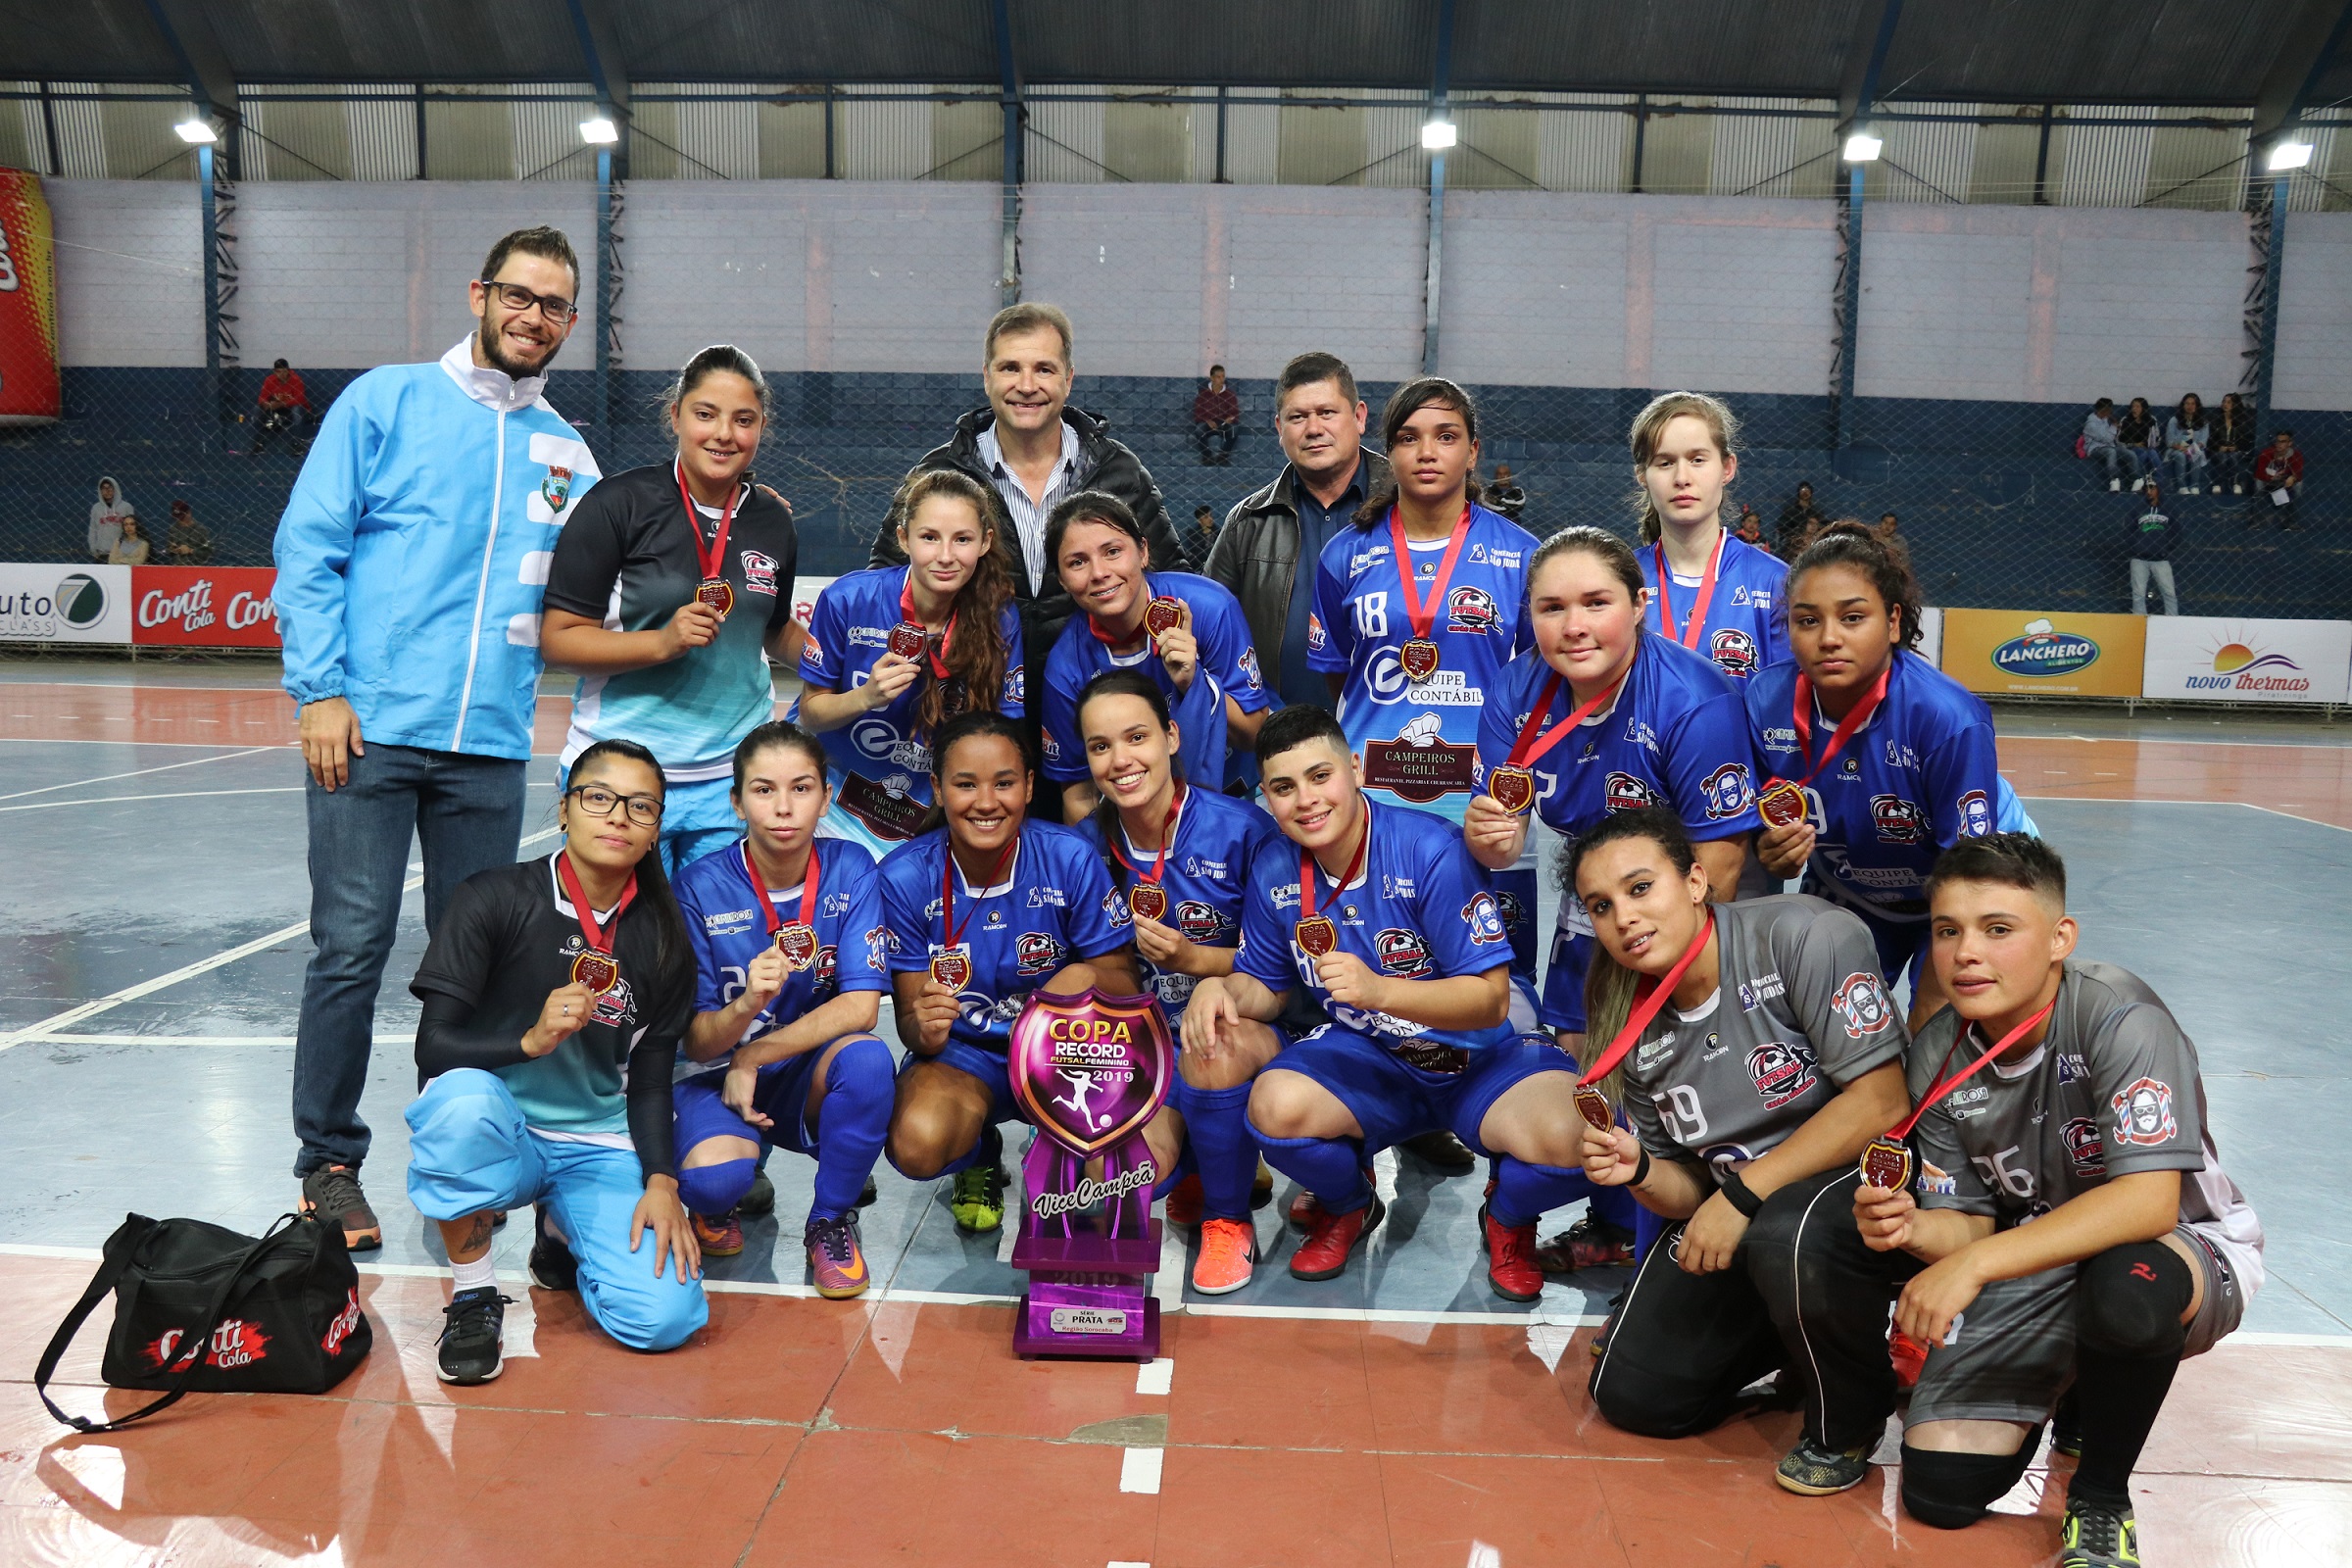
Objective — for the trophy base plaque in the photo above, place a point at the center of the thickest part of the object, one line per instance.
(1057, 1318)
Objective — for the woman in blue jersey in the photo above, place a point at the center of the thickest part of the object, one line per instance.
(1418, 609)
(671, 590)
(895, 652)
(1180, 854)
(1712, 593)
(1891, 759)
(787, 934)
(1601, 717)
(1195, 645)
(978, 914)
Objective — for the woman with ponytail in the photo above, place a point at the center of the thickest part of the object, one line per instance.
(1712, 593)
(895, 652)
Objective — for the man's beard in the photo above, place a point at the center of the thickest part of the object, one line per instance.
(489, 341)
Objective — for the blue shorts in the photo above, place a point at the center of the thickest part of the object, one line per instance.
(696, 820)
(1393, 1101)
(469, 1149)
(782, 1096)
(984, 1065)
(1564, 981)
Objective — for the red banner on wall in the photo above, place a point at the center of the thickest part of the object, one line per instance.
(203, 607)
(29, 386)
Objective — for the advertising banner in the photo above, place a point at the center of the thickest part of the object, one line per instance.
(203, 607)
(804, 595)
(2224, 659)
(29, 384)
(52, 603)
(2044, 653)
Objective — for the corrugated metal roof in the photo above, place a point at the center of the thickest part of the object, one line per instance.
(2085, 51)
(1693, 45)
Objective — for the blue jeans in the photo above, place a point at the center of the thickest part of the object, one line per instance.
(2185, 468)
(467, 812)
(2229, 467)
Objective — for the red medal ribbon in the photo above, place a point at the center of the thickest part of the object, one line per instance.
(1803, 719)
(937, 655)
(1927, 1101)
(1424, 617)
(1307, 869)
(768, 903)
(1697, 625)
(1645, 1006)
(1167, 840)
(1526, 751)
(598, 940)
(1143, 628)
(946, 889)
(713, 562)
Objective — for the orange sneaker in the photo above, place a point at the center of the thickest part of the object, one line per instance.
(1228, 1255)
(721, 1236)
(1184, 1203)
(1908, 1355)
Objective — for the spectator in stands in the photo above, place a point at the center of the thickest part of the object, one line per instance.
(1887, 528)
(130, 546)
(1749, 529)
(286, 407)
(2149, 539)
(1202, 538)
(1032, 448)
(2100, 444)
(2279, 478)
(2184, 435)
(1800, 519)
(1504, 494)
(106, 517)
(2230, 444)
(2140, 437)
(189, 543)
(1216, 419)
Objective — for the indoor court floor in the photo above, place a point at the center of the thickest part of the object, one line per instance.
(152, 939)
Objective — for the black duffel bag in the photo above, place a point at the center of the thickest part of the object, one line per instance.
(199, 1306)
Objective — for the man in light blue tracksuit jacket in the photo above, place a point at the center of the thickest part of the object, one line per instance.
(410, 560)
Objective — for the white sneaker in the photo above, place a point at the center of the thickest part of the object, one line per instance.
(2115, 484)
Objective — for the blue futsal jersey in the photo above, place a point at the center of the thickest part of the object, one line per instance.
(1228, 668)
(1419, 910)
(880, 761)
(1217, 839)
(1916, 779)
(1055, 906)
(1747, 627)
(1417, 741)
(719, 901)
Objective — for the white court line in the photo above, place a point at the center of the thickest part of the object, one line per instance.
(109, 1002)
(165, 767)
(2133, 800)
(172, 795)
(1139, 1471)
(75, 740)
(1154, 1376)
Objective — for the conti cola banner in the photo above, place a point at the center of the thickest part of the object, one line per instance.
(2051, 653)
(168, 607)
(29, 384)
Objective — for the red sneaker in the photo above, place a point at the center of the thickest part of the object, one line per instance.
(1323, 1255)
(1184, 1203)
(1306, 1209)
(1510, 1257)
(1588, 1244)
(1908, 1355)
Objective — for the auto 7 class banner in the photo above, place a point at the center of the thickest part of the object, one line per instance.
(203, 607)
(29, 384)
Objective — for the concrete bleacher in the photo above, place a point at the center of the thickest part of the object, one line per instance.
(1997, 510)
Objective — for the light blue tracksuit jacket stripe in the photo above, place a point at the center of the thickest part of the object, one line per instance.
(413, 553)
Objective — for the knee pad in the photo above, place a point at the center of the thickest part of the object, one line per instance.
(716, 1189)
(1954, 1490)
(2129, 1301)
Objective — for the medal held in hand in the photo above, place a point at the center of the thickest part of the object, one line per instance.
(1512, 784)
(1593, 1107)
(906, 640)
(598, 971)
(1315, 934)
(1783, 801)
(1419, 655)
(712, 590)
(1887, 1159)
(1590, 1102)
(1148, 900)
(1162, 613)
(716, 593)
(1781, 804)
(1887, 1163)
(953, 966)
(796, 939)
(1513, 788)
(596, 968)
(797, 943)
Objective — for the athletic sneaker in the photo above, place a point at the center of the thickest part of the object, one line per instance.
(2066, 1428)
(1909, 1356)
(977, 1200)
(1184, 1203)
(1261, 1188)
(1812, 1471)
(1510, 1257)
(719, 1235)
(1306, 1208)
(867, 1194)
(1442, 1149)
(1323, 1255)
(553, 1267)
(332, 1193)
(1589, 1242)
(472, 1325)
(1228, 1256)
(760, 1199)
(2096, 1537)
(835, 1257)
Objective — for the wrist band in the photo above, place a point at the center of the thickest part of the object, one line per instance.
(1641, 1171)
(1745, 1202)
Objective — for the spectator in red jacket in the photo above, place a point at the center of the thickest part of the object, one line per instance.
(1216, 419)
(2279, 476)
(286, 407)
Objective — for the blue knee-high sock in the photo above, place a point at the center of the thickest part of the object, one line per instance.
(1184, 1165)
(852, 1124)
(716, 1189)
(1525, 1192)
(1331, 1168)
(1216, 1125)
(1615, 1205)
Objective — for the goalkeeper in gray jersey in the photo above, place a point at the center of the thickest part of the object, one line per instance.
(2072, 1218)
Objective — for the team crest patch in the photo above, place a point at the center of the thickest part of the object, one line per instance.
(759, 574)
(2085, 1150)
(1116, 908)
(1036, 954)
(2144, 1113)
(1197, 920)
(1248, 667)
(1625, 793)
(1863, 1005)
(1484, 917)
(1727, 790)
(1403, 952)
(1783, 1071)
(1975, 815)
(556, 488)
(1471, 610)
(1898, 822)
(1734, 652)
(1510, 909)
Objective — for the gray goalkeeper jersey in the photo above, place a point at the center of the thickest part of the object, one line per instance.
(1800, 1012)
(2112, 1089)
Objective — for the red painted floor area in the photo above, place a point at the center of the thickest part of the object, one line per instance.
(200, 715)
(802, 1432)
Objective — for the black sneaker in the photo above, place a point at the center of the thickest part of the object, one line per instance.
(553, 1267)
(761, 1198)
(332, 1193)
(471, 1336)
(1440, 1150)
(1812, 1471)
(2097, 1537)
(869, 1194)
(2066, 1428)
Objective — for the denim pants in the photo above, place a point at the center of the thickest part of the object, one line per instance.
(2162, 572)
(467, 812)
(2185, 468)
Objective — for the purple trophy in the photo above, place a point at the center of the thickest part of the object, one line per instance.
(1089, 1070)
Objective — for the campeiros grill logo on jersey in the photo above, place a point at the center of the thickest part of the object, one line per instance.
(2044, 651)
